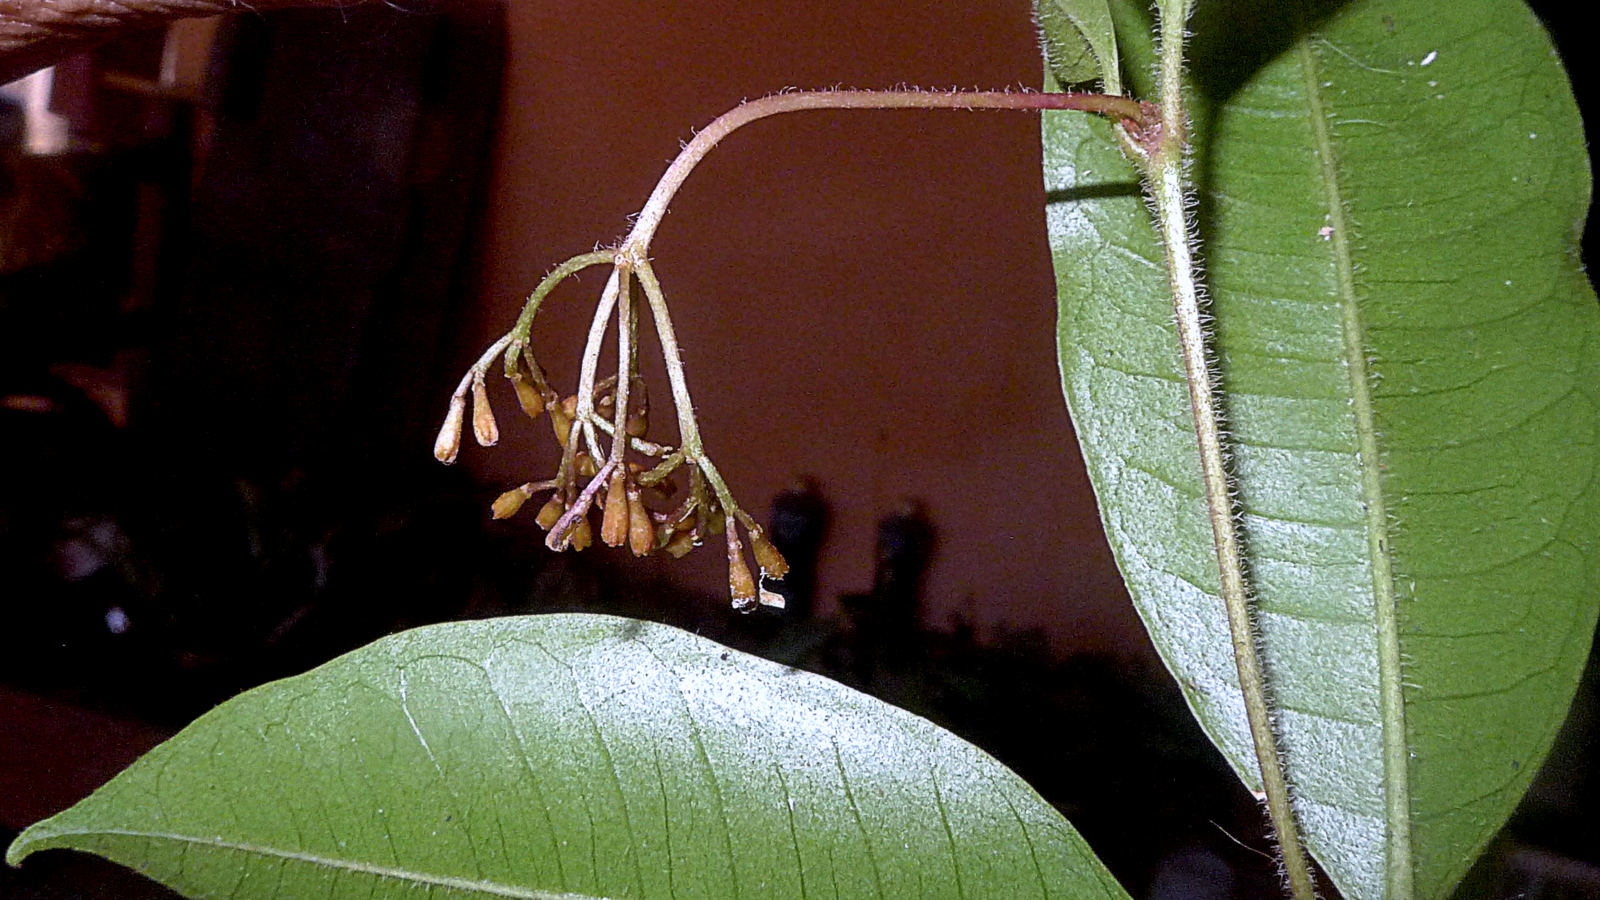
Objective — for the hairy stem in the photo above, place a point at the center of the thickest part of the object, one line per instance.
(1165, 182)
(644, 228)
(688, 429)
(482, 365)
(524, 327)
(632, 255)
(583, 418)
(631, 258)
(625, 369)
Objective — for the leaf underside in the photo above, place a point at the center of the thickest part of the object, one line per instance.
(572, 756)
(1391, 196)
(1080, 42)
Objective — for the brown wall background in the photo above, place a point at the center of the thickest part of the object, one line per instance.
(863, 297)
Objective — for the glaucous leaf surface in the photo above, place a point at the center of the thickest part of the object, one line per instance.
(1391, 197)
(568, 757)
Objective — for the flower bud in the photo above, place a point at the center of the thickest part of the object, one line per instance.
(561, 418)
(507, 504)
(527, 396)
(772, 563)
(448, 443)
(665, 533)
(680, 544)
(582, 536)
(614, 525)
(641, 531)
(484, 427)
(551, 512)
(586, 466)
(740, 584)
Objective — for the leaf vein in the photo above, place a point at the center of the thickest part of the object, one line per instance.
(1398, 866)
(286, 857)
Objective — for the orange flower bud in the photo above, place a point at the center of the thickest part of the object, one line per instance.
(740, 584)
(582, 535)
(561, 424)
(680, 543)
(641, 531)
(614, 525)
(772, 563)
(551, 512)
(586, 466)
(448, 443)
(484, 427)
(507, 504)
(561, 418)
(527, 396)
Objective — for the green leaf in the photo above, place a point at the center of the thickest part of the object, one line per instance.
(565, 757)
(1134, 25)
(1080, 43)
(1391, 197)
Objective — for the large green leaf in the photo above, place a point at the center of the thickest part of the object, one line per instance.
(1391, 197)
(572, 756)
(1080, 44)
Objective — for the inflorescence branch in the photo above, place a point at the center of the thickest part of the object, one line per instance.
(608, 463)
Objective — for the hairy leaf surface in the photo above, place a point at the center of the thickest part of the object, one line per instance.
(1391, 195)
(569, 757)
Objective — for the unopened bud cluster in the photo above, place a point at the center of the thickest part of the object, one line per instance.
(609, 467)
(600, 474)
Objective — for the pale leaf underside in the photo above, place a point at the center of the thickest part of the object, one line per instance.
(1408, 356)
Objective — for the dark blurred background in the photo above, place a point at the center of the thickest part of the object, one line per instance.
(244, 261)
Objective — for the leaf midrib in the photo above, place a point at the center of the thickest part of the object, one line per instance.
(1396, 754)
(493, 888)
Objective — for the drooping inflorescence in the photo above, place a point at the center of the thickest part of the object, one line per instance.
(609, 465)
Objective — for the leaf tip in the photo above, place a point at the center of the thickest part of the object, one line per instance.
(25, 844)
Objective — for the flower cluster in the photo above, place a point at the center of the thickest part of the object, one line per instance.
(609, 465)
(601, 427)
